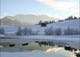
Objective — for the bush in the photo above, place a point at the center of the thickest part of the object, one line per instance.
(60, 20)
(43, 24)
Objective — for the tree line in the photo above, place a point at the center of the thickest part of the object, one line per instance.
(47, 31)
(44, 24)
(59, 31)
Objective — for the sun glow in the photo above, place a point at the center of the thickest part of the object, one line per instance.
(60, 51)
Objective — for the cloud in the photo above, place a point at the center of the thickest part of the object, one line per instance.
(68, 7)
(61, 5)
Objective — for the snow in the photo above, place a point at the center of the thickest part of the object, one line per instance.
(68, 23)
(72, 40)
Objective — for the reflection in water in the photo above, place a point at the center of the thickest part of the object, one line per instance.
(51, 52)
(60, 51)
(55, 49)
(34, 50)
(48, 50)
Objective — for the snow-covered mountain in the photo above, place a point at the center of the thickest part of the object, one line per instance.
(28, 19)
(8, 20)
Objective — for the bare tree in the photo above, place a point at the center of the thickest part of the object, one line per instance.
(58, 31)
(71, 31)
(49, 31)
(19, 31)
(2, 31)
(27, 31)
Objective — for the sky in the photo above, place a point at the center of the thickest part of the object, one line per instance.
(53, 8)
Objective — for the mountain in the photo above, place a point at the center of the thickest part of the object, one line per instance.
(8, 20)
(28, 19)
(31, 19)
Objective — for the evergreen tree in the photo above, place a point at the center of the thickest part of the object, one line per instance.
(40, 22)
(69, 18)
(75, 17)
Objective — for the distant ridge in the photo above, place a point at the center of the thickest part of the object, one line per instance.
(25, 19)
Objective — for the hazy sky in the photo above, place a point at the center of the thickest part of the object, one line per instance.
(55, 8)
